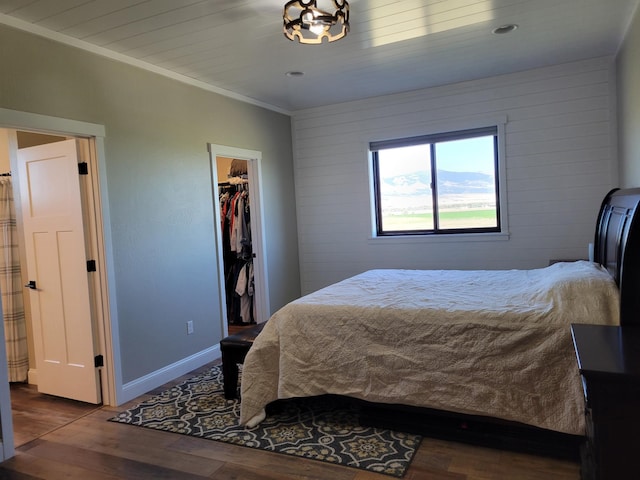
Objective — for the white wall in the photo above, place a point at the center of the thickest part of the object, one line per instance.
(628, 76)
(560, 162)
(162, 242)
(5, 163)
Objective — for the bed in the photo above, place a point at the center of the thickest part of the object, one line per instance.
(494, 345)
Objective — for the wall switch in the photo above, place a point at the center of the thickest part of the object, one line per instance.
(189, 327)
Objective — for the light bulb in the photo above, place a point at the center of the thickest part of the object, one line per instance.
(317, 28)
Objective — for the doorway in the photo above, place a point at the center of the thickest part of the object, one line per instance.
(96, 218)
(241, 268)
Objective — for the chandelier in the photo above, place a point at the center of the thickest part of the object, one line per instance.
(306, 22)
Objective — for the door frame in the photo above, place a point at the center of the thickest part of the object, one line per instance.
(100, 234)
(254, 174)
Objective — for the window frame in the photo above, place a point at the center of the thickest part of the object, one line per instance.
(495, 129)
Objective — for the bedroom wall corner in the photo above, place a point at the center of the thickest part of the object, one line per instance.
(628, 100)
(160, 194)
(560, 159)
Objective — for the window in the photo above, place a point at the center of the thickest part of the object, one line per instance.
(437, 184)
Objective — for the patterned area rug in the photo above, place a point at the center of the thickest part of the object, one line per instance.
(325, 429)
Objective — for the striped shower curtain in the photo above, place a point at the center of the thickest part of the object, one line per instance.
(11, 287)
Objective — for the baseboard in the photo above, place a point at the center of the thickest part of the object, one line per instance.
(153, 380)
(32, 376)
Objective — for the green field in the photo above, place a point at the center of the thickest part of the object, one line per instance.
(453, 219)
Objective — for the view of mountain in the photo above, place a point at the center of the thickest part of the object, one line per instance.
(449, 183)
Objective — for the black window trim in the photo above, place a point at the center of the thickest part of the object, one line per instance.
(432, 139)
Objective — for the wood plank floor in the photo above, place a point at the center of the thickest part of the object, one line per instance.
(89, 447)
(34, 414)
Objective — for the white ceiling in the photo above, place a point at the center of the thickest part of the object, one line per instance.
(237, 46)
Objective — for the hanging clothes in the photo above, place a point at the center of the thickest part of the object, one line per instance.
(244, 290)
(237, 251)
(241, 227)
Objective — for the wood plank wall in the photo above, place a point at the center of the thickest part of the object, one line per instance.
(560, 161)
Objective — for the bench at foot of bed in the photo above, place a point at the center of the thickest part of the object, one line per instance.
(234, 349)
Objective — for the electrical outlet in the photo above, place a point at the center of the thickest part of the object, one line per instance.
(189, 327)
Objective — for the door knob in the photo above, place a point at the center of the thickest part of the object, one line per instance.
(31, 285)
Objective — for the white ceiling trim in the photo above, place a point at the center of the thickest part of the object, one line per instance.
(61, 38)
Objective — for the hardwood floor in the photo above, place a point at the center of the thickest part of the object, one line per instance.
(35, 414)
(233, 329)
(89, 447)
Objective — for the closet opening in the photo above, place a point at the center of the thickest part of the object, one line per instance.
(240, 237)
(237, 249)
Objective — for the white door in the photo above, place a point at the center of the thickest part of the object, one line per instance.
(58, 285)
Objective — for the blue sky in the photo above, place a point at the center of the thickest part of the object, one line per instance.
(467, 155)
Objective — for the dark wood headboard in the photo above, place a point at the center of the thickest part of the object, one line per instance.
(617, 248)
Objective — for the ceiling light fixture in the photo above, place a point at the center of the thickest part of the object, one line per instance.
(308, 23)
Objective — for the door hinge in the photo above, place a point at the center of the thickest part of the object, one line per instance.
(83, 168)
(91, 265)
(98, 361)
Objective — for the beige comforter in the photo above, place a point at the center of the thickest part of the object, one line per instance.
(491, 343)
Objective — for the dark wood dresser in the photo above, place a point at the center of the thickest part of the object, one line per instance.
(609, 362)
